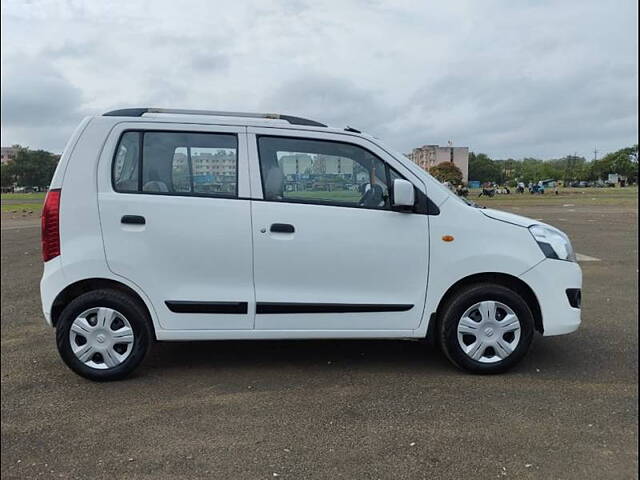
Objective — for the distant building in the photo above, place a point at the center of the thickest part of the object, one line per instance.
(8, 153)
(221, 162)
(305, 164)
(429, 156)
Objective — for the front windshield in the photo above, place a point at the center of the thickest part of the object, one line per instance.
(460, 198)
(409, 163)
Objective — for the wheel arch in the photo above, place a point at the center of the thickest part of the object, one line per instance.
(504, 279)
(90, 284)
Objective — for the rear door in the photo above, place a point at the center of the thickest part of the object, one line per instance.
(329, 252)
(174, 223)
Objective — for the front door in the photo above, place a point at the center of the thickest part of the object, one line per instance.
(174, 223)
(329, 252)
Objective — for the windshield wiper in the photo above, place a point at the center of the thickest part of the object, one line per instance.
(471, 203)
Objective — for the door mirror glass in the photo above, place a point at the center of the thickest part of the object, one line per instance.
(403, 193)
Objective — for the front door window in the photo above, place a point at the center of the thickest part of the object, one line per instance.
(322, 172)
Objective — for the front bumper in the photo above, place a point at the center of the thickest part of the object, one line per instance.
(550, 280)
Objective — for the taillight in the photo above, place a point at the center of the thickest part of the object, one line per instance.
(51, 225)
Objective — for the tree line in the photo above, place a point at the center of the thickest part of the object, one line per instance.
(568, 169)
(29, 168)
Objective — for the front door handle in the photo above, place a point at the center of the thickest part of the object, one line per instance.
(282, 228)
(133, 219)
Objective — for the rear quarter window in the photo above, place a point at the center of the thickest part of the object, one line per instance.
(126, 163)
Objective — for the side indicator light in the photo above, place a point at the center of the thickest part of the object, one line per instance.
(447, 238)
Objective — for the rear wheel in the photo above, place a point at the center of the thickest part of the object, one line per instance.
(486, 328)
(103, 335)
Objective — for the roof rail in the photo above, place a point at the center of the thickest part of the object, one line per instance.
(138, 112)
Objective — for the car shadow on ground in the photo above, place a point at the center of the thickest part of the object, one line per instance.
(387, 354)
(384, 356)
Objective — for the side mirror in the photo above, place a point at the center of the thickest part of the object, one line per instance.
(403, 194)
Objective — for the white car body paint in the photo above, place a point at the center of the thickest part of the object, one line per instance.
(337, 255)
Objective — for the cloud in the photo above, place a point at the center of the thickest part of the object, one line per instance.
(329, 99)
(207, 61)
(39, 105)
(511, 79)
(37, 95)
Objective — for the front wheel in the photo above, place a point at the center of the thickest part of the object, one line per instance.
(486, 328)
(103, 335)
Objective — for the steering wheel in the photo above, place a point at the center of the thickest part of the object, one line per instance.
(372, 197)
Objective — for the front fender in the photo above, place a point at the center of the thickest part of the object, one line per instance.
(480, 245)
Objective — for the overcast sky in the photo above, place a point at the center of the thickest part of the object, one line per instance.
(509, 78)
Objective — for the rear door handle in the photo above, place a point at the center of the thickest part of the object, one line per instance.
(133, 219)
(282, 228)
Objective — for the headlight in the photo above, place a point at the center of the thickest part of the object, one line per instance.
(553, 243)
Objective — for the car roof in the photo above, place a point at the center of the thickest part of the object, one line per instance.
(215, 117)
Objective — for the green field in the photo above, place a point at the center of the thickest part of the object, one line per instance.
(337, 195)
(22, 203)
(23, 196)
(21, 207)
(627, 197)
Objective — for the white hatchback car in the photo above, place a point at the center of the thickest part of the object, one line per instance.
(196, 225)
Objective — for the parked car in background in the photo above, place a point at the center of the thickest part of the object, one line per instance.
(168, 225)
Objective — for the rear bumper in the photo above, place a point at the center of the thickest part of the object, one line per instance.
(52, 278)
(550, 280)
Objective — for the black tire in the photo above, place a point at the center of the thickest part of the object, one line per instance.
(465, 299)
(135, 313)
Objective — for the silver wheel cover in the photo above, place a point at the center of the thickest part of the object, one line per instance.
(101, 338)
(489, 331)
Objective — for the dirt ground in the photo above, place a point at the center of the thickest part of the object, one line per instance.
(336, 409)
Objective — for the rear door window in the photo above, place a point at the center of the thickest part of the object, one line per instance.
(182, 163)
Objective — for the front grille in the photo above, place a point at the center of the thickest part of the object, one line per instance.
(575, 297)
